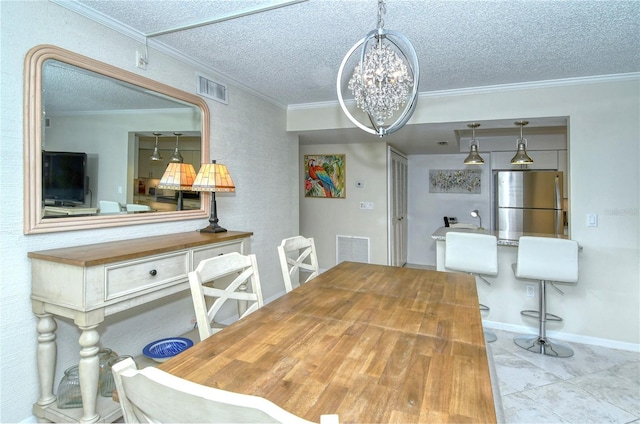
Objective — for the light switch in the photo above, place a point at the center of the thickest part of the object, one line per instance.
(592, 220)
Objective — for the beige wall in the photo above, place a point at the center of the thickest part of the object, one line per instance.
(603, 145)
(324, 219)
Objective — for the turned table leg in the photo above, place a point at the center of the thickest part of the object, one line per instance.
(89, 369)
(47, 351)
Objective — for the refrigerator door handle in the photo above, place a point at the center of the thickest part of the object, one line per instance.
(558, 222)
(558, 199)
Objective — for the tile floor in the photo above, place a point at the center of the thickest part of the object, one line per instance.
(595, 385)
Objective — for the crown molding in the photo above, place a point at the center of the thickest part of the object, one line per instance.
(500, 88)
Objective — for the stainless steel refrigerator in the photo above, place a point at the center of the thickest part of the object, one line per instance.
(529, 202)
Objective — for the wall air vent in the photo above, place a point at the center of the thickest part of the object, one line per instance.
(211, 89)
(353, 249)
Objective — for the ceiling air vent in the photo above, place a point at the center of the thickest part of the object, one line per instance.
(211, 89)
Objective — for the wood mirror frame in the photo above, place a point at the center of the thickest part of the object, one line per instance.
(33, 203)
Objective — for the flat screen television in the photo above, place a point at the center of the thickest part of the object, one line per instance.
(64, 178)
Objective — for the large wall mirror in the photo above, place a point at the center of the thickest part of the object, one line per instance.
(90, 130)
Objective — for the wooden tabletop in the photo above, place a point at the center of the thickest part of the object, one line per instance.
(114, 251)
(370, 343)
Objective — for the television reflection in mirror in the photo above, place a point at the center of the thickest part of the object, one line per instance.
(64, 178)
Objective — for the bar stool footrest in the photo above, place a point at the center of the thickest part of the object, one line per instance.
(537, 344)
(536, 315)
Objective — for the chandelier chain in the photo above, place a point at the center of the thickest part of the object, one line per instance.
(382, 10)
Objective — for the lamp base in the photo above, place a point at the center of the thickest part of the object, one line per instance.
(213, 229)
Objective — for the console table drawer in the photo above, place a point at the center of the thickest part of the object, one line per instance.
(221, 249)
(130, 277)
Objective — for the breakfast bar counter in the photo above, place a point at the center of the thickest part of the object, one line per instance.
(504, 238)
(507, 295)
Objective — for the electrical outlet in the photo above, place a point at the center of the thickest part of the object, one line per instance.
(366, 205)
(531, 290)
(141, 60)
(193, 320)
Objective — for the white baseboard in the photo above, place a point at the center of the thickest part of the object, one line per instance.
(568, 337)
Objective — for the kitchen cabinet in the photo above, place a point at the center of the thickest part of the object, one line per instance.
(154, 169)
(542, 159)
(88, 283)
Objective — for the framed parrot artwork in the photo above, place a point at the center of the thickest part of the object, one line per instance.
(325, 176)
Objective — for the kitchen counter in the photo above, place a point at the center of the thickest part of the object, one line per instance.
(506, 296)
(504, 238)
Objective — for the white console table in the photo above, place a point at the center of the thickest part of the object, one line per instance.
(88, 283)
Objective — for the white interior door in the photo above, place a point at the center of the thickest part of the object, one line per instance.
(397, 180)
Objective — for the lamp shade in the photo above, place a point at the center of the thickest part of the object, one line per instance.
(178, 176)
(213, 177)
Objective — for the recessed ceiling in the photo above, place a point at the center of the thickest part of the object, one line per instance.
(291, 54)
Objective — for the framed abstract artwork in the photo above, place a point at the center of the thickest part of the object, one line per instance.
(325, 176)
(465, 181)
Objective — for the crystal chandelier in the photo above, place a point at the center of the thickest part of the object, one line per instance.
(385, 79)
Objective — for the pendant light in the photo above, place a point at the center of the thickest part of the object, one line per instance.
(156, 154)
(177, 157)
(474, 157)
(384, 81)
(521, 157)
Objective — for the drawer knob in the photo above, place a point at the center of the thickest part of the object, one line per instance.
(153, 272)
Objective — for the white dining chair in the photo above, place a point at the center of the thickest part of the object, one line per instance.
(154, 396)
(241, 270)
(476, 254)
(547, 260)
(297, 255)
(134, 207)
(108, 206)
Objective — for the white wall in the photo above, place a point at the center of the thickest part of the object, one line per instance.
(603, 148)
(426, 210)
(324, 219)
(248, 135)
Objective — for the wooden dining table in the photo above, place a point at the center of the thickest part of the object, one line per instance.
(371, 343)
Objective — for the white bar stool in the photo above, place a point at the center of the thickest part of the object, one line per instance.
(547, 260)
(476, 254)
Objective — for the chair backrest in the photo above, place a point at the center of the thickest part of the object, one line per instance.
(134, 207)
(297, 255)
(471, 252)
(107, 206)
(154, 396)
(547, 258)
(240, 269)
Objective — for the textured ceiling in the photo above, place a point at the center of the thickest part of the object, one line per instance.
(291, 54)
